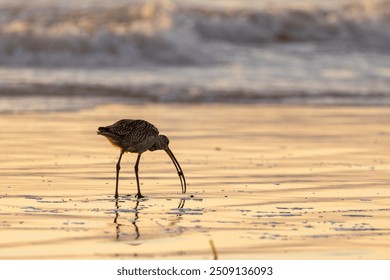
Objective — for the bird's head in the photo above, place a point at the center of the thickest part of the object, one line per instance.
(161, 143)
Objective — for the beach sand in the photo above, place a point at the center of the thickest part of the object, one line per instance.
(264, 182)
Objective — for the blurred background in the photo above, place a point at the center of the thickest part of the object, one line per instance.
(67, 55)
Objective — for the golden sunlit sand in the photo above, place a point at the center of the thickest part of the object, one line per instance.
(264, 182)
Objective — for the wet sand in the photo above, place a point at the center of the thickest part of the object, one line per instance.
(264, 182)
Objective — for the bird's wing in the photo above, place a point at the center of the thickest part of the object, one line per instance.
(135, 131)
(127, 126)
(122, 127)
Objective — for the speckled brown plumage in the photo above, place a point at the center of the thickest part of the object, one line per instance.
(138, 136)
(135, 136)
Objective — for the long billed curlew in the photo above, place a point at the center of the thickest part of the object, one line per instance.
(138, 136)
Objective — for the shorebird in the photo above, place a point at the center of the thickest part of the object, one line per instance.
(138, 136)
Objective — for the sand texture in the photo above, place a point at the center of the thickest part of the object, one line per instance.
(264, 182)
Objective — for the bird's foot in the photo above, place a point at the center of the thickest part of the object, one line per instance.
(139, 195)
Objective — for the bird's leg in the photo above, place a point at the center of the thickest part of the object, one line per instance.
(138, 195)
(118, 167)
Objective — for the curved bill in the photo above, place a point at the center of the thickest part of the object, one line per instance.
(179, 170)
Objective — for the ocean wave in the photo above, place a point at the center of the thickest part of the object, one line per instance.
(165, 33)
(358, 23)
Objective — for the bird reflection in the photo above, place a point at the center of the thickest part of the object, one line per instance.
(181, 204)
(179, 213)
(134, 221)
(117, 225)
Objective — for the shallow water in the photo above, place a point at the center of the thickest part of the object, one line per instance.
(263, 183)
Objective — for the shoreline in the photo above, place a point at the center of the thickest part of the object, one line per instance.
(46, 104)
